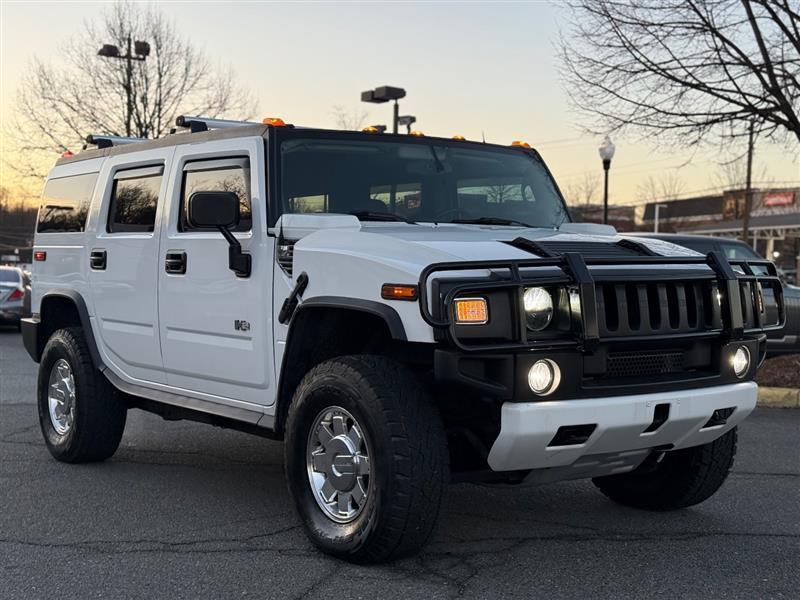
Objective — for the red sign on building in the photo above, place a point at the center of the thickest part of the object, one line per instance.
(778, 199)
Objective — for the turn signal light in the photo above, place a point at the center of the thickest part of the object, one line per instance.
(274, 121)
(398, 291)
(472, 311)
(520, 144)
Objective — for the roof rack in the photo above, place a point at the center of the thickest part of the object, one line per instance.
(197, 124)
(107, 141)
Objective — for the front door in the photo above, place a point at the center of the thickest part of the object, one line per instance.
(216, 327)
(122, 258)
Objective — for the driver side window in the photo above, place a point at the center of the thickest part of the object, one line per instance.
(226, 175)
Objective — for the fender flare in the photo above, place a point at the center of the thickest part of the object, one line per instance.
(33, 337)
(386, 313)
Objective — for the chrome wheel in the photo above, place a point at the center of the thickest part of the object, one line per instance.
(61, 397)
(338, 462)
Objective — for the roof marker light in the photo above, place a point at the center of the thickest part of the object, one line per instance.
(416, 133)
(274, 121)
(66, 154)
(371, 129)
(460, 138)
(520, 144)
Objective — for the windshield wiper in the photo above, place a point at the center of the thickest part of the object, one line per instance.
(490, 221)
(368, 215)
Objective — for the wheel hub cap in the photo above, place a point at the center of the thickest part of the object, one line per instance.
(338, 464)
(61, 397)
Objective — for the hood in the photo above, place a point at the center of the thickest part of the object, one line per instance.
(480, 242)
(411, 247)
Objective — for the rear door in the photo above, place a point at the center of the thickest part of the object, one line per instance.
(122, 258)
(216, 326)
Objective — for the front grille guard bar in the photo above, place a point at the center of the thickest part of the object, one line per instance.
(575, 269)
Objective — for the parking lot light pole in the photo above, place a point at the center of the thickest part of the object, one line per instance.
(658, 208)
(136, 51)
(385, 93)
(407, 121)
(606, 151)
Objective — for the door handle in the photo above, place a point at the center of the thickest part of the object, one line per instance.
(175, 263)
(97, 260)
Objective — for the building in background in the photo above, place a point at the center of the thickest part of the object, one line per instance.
(774, 221)
(623, 218)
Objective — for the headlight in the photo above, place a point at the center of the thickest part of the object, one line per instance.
(538, 305)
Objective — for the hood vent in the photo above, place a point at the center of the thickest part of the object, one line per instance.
(550, 248)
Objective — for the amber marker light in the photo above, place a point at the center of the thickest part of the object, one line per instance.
(371, 129)
(471, 311)
(460, 138)
(274, 121)
(520, 144)
(399, 291)
(416, 133)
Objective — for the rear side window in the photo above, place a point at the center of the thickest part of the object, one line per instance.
(225, 175)
(65, 203)
(134, 199)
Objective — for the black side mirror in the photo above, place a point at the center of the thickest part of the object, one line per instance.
(220, 210)
(213, 209)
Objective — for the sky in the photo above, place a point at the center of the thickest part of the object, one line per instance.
(474, 69)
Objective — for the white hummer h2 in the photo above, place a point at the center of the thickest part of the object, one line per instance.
(401, 310)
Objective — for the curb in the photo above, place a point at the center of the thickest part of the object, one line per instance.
(775, 397)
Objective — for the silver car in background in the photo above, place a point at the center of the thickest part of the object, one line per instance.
(15, 295)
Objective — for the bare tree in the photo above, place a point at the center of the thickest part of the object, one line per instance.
(58, 104)
(668, 186)
(686, 69)
(349, 120)
(582, 191)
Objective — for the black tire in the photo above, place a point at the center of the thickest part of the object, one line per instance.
(409, 460)
(680, 479)
(99, 410)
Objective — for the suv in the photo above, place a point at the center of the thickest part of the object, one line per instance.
(400, 310)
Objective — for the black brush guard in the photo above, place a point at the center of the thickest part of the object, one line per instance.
(575, 272)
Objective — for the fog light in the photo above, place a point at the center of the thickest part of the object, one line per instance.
(544, 377)
(741, 361)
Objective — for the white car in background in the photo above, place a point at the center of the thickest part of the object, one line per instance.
(15, 295)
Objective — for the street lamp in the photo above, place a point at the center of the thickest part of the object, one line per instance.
(385, 93)
(140, 51)
(407, 121)
(658, 208)
(606, 151)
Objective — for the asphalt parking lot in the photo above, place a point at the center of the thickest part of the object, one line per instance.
(187, 511)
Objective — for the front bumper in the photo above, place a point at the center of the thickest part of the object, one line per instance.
(529, 429)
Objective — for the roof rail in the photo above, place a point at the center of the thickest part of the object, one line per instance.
(196, 124)
(107, 141)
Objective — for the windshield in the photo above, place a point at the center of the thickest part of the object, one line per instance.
(420, 182)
